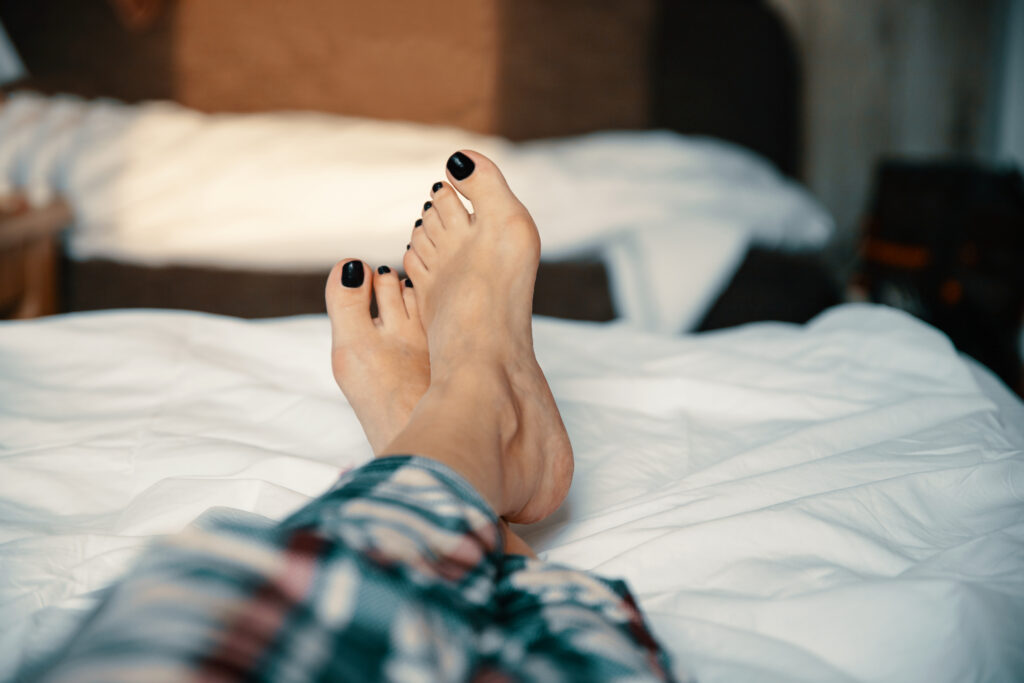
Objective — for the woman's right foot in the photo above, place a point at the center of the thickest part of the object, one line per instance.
(474, 276)
(380, 364)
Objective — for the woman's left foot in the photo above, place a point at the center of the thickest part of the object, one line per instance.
(475, 277)
(381, 364)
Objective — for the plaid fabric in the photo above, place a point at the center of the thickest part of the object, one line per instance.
(397, 573)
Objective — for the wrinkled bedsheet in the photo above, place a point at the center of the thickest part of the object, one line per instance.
(841, 501)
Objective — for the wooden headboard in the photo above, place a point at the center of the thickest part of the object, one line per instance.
(518, 68)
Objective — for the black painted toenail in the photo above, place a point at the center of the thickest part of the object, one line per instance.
(408, 246)
(408, 282)
(383, 269)
(418, 223)
(460, 166)
(352, 274)
(437, 186)
(426, 207)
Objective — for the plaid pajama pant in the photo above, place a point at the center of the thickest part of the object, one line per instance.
(396, 573)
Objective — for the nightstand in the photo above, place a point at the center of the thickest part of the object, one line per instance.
(944, 241)
(30, 257)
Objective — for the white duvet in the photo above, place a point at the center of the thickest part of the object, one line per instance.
(161, 184)
(840, 501)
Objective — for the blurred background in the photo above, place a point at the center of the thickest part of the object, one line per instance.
(782, 156)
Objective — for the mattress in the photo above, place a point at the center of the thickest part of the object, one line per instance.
(839, 501)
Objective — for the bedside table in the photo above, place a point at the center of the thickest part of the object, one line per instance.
(944, 241)
(29, 258)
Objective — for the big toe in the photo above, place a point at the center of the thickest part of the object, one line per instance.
(347, 294)
(478, 179)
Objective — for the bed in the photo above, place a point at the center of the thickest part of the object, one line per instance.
(713, 88)
(839, 501)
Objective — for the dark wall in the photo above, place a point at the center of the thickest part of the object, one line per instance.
(81, 46)
(519, 68)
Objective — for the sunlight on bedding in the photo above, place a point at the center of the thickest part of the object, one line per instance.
(162, 184)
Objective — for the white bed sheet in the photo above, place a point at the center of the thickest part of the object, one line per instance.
(158, 183)
(840, 501)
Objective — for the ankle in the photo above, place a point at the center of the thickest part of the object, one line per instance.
(482, 389)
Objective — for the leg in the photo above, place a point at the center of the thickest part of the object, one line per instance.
(489, 415)
(559, 623)
(388, 574)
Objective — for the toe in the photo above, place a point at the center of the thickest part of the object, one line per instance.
(432, 227)
(432, 224)
(479, 180)
(390, 305)
(448, 207)
(412, 262)
(347, 294)
(409, 295)
(422, 246)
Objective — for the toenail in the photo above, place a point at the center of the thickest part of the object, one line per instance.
(437, 186)
(418, 223)
(408, 246)
(352, 274)
(408, 282)
(426, 207)
(460, 166)
(383, 269)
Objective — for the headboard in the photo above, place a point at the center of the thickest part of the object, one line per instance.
(523, 69)
(518, 68)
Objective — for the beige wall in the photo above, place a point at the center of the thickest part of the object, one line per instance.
(889, 77)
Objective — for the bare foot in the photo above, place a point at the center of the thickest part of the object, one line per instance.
(474, 276)
(381, 364)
